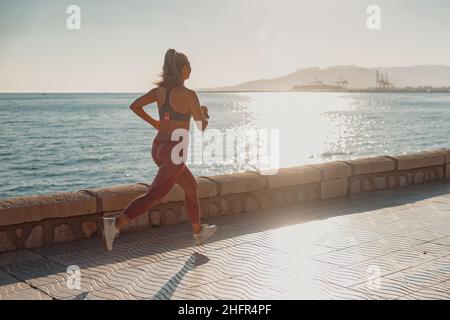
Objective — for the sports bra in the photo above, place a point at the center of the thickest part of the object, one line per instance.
(167, 112)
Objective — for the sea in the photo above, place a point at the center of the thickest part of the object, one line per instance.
(57, 142)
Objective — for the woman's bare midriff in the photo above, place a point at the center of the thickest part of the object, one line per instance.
(168, 126)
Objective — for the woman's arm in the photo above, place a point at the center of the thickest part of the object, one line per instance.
(138, 107)
(197, 113)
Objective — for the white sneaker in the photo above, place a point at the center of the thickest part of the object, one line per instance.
(110, 232)
(207, 231)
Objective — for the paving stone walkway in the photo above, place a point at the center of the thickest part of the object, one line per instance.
(390, 244)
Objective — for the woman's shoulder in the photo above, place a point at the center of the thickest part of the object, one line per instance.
(188, 91)
(185, 92)
(181, 91)
(156, 90)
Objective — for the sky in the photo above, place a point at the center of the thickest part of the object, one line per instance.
(121, 44)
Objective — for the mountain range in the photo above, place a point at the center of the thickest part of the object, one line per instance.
(357, 77)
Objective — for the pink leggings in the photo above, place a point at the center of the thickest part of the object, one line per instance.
(168, 174)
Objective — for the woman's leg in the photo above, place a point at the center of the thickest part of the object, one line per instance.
(202, 232)
(168, 174)
(187, 182)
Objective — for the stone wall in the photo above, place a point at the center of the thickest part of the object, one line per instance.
(39, 220)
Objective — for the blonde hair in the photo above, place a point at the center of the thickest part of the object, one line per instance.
(173, 63)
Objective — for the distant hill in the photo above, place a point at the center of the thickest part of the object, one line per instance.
(357, 77)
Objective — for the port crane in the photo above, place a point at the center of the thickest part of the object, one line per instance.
(383, 81)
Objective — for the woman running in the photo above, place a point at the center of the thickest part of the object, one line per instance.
(176, 105)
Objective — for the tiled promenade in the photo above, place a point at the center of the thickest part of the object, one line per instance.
(392, 244)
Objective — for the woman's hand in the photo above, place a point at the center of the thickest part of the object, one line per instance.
(205, 111)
